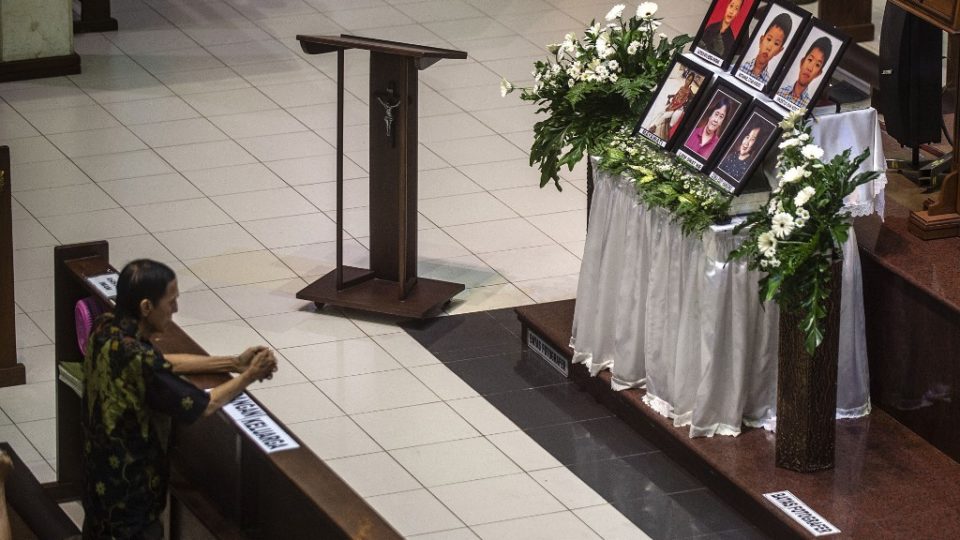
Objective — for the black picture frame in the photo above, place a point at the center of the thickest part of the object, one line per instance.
(731, 172)
(718, 48)
(661, 126)
(816, 30)
(701, 158)
(796, 23)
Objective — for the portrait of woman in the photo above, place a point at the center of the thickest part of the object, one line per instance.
(745, 151)
(723, 108)
(704, 138)
(675, 96)
(721, 30)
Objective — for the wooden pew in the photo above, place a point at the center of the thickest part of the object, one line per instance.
(11, 373)
(222, 484)
(33, 513)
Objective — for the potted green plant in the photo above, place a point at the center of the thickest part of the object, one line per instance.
(797, 240)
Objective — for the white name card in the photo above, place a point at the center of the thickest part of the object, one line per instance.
(106, 284)
(258, 425)
(801, 513)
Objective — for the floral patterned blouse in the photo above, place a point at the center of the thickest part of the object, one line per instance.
(130, 398)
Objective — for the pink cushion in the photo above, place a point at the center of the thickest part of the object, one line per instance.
(85, 312)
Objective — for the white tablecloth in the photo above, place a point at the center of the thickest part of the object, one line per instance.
(666, 311)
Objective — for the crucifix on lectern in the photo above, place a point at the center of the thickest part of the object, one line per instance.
(390, 285)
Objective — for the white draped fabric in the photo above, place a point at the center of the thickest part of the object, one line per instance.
(856, 130)
(666, 312)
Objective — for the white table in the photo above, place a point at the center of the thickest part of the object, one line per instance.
(666, 311)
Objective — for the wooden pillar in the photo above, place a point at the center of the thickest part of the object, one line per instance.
(94, 17)
(853, 17)
(11, 372)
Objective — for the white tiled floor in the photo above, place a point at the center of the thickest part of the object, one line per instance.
(201, 135)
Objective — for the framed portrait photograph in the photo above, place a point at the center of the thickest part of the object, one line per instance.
(744, 151)
(809, 68)
(675, 98)
(722, 29)
(774, 39)
(721, 109)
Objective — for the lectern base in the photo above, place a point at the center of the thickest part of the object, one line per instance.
(381, 295)
(928, 227)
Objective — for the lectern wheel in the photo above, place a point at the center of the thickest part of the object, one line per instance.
(319, 305)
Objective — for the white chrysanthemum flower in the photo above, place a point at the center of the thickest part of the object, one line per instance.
(782, 225)
(616, 12)
(802, 213)
(812, 151)
(804, 195)
(791, 120)
(633, 47)
(767, 243)
(790, 143)
(505, 87)
(800, 222)
(792, 175)
(803, 137)
(775, 263)
(772, 207)
(613, 65)
(613, 77)
(764, 263)
(646, 10)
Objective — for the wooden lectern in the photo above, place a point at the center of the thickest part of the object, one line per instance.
(391, 285)
(941, 219)
(852, 17)
(11, 373)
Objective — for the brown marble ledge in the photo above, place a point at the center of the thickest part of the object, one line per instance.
(887, 483)
(933, 266)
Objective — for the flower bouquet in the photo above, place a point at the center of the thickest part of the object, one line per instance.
(594, 85)
(801, 231)
(661, 182)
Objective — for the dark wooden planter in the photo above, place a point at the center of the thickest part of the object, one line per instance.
(807, 390)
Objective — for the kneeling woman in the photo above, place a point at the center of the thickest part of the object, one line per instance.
(133, 392)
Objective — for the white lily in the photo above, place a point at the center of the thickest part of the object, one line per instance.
(505, 87)
(616, 12)
(646, 10)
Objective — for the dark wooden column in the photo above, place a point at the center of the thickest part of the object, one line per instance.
(11, 372)
(94, 16)
(853, 17)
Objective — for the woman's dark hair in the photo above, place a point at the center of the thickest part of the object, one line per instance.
(721, 101)
(755, 122)
(141, 279)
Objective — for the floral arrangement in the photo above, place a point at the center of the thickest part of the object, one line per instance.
(800, 233)
(694, 202)
(594, 85)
